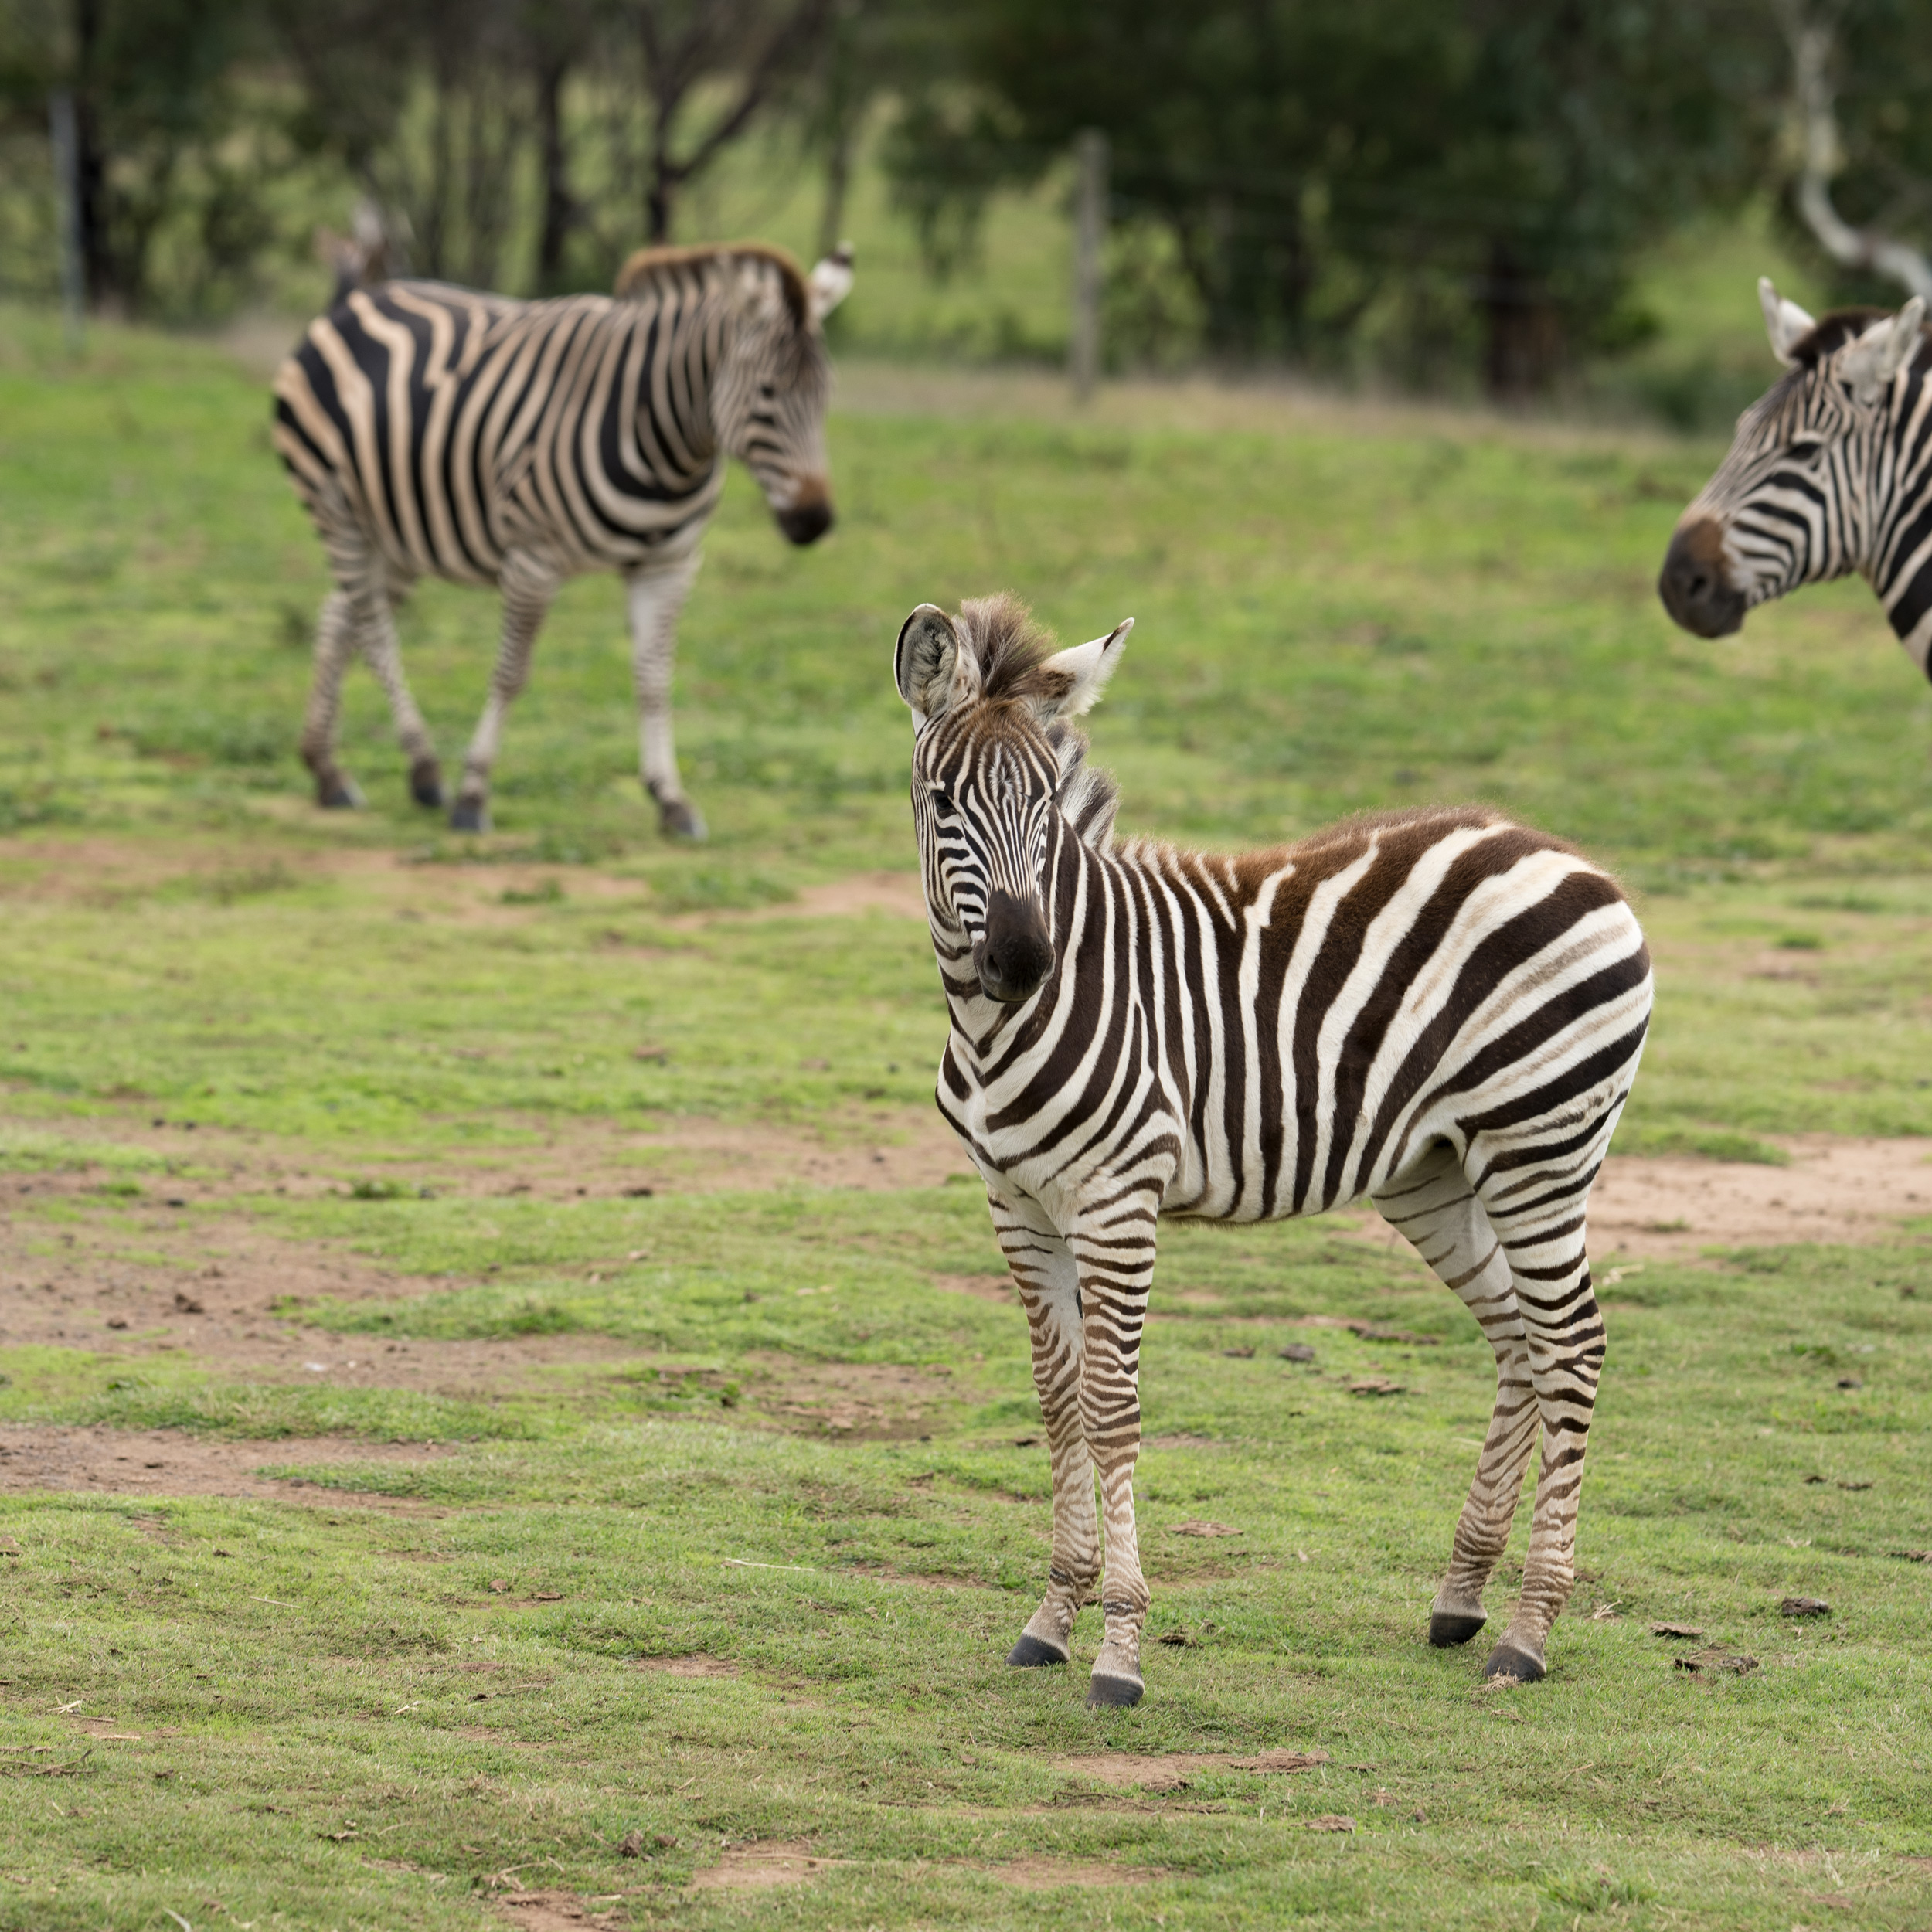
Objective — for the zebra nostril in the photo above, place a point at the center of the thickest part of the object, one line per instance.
(1693, 586)
(1016, 954)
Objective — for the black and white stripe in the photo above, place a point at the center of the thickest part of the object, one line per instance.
(1830, 472)
(1439, 1010)
(432, 431)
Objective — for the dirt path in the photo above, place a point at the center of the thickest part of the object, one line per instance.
(1834, 1190)
(170, 1462)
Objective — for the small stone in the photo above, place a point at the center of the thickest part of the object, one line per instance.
(1803, 1607)
(1297, 1351)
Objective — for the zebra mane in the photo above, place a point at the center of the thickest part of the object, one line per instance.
(1012, 650)
(1830, 333)
(648, 263)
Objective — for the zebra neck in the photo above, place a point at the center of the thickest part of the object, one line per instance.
(674, 418)
(1899, 565)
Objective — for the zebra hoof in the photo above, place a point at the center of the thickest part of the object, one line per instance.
(1505, 1661)
(1032, 1651)
(1446, 1628)
(1109, 1691)
(679, 818)
(334, 791)
(426, 784)
(469, 815)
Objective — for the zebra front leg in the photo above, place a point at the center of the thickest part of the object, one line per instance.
(1048, 1280)
(527, 585)
(1115, 1248)
(334, 645)
(385, 656)
(1436, 1209)
(1563, 1338)
(656, 596)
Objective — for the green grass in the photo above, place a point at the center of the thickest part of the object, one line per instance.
(372, 1026)
(867, 1711)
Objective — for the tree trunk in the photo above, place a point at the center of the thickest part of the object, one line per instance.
(436, 212)
(559, 210)
(658, 198)
(104, 288)
(1523, 350)
(832, 217)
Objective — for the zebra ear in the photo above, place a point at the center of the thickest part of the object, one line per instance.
(1073, 680)
(1869, 364)
(1784, 322)
(830, 283)
(932, 668)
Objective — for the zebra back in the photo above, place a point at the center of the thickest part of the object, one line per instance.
(446, 428)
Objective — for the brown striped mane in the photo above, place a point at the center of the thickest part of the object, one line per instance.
(1011, 649)
(647, 264)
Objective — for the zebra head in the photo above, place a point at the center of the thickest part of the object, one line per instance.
(769, 397)
(998, 772)
(1807, 489)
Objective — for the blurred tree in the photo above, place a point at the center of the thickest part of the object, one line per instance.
(1859, 146)
(558, 36)
(748, 51)
(155, 107)
(428, 104)
(1317, 161)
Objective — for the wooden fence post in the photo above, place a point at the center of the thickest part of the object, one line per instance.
(1089, 237)
(66, 141)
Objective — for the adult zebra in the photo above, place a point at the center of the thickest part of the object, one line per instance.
(1830, 472)
(435, 431)
(1437, 1009)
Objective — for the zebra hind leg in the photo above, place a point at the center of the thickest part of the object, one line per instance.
(1048, 1280)
(385, 657)
(335, 636)
(528, 587)
(1436, 1211)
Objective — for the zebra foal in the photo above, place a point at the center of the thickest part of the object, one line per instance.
(1437, 1009)
(432, 431)
(1830, 472)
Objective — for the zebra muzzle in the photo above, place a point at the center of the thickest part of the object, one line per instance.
(1693, 584)
(1015, 953)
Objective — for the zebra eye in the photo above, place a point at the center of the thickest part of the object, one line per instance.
(942, 799)
(1805, 448)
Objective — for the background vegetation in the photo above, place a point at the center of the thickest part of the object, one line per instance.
(1439, 197)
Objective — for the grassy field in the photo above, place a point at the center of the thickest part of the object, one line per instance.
(698, 1522)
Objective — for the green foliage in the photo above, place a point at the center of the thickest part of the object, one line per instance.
(1342, 175)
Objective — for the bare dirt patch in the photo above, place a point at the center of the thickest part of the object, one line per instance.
(169, 1462)
(1171, 1771)
(1837, 1188)
(1039, 1872)
(752, 1867)
(554, 1911)
(1666, 1207)
(983, 1287)
(696, 1666)
(893, 895)
(872, 1147)
(859, 1401)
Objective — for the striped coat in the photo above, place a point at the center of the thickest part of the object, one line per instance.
(433, 431)
(1439, 1010)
